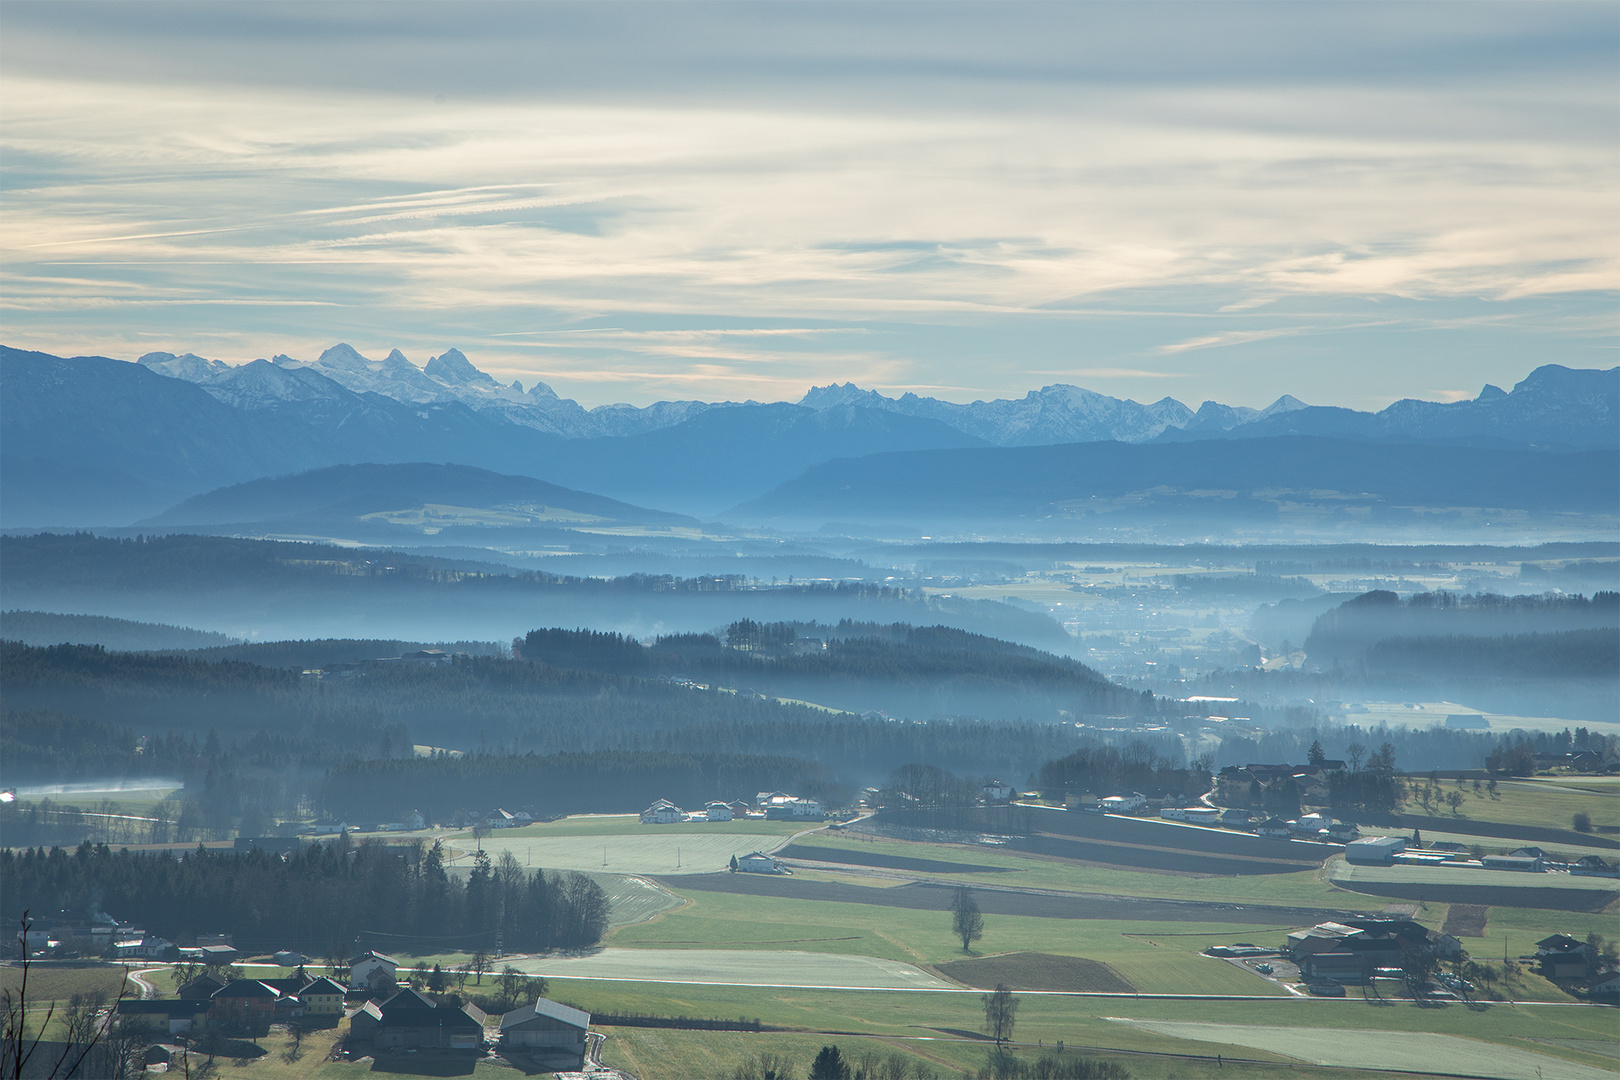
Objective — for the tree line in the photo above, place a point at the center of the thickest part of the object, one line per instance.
(320, 899)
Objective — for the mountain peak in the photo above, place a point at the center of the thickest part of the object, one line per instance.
(452, 366)
(833, 395)
(343, 357)
(1285, 404)
(1491, 393)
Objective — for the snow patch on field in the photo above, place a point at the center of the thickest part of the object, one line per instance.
(737, 967)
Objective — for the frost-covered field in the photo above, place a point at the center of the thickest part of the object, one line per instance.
(1365, 1049)
(737, 967)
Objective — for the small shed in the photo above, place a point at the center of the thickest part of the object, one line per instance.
(757, 862)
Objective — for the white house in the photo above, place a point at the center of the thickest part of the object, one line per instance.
(757, 862)
(996, 791)
(1123, 804)
(1203, 815)
(662, 812)
(1274, 827)
(718, 811)
(806, 808)
(371, 969)
(1173, 813)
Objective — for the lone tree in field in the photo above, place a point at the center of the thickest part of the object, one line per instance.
(965, 917)
(829, 1065)
(1000, 1013)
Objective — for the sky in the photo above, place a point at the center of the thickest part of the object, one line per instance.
(1349, 203)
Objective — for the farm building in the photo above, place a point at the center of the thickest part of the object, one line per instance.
(1374, 850)
(740, 809)
(1123, 804)
(757, 862)
(173, 1015)
(1563, 957)
(1593, 866)
(718, 811)
(287, 958)
(1240, 818)
(1531, 864)
(662, 812)
(553, 1032)
(410, 1021)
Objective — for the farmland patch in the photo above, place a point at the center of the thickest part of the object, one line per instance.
(1465, 920)
(886, 860)
(1397, 1050)
(1038, 971)
(626, 853)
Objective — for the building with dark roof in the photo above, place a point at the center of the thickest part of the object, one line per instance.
(412, 1021)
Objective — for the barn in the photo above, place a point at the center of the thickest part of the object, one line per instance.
(553, 1032)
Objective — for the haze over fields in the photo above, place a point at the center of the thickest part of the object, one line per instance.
(828, 541)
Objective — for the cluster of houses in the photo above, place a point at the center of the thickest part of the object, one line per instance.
(771, 805)
(1240, 783)
(102, 935)
(1398, 851)
(241, 1006)
(391, 1019)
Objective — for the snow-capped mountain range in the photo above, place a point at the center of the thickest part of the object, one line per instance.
(1059, 413)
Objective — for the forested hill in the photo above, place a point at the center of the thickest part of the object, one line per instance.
(1345, 634)
(248, 739)
(278, 589)
(909, 671)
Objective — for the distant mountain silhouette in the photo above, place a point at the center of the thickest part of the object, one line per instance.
(98, 441)
(1250, 479)
(348, 492)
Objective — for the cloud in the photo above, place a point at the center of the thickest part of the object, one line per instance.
(1228, 337)
(813, 172)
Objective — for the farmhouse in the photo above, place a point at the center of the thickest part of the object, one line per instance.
(323, 1000)
(1274, 827)
(244, 1005)
(1562, 956)
(718, 811)
(1593, 866)
(410, 1021)
(996, 791)
(740, 809)
(373, 970)
(757, 862)
(552, 1031)
(795, 809)
(662, 812)
(1123, 804)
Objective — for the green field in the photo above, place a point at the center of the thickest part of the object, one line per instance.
(58, 982)
(1550, 802)
(1079, 1022)
(1153, 957)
